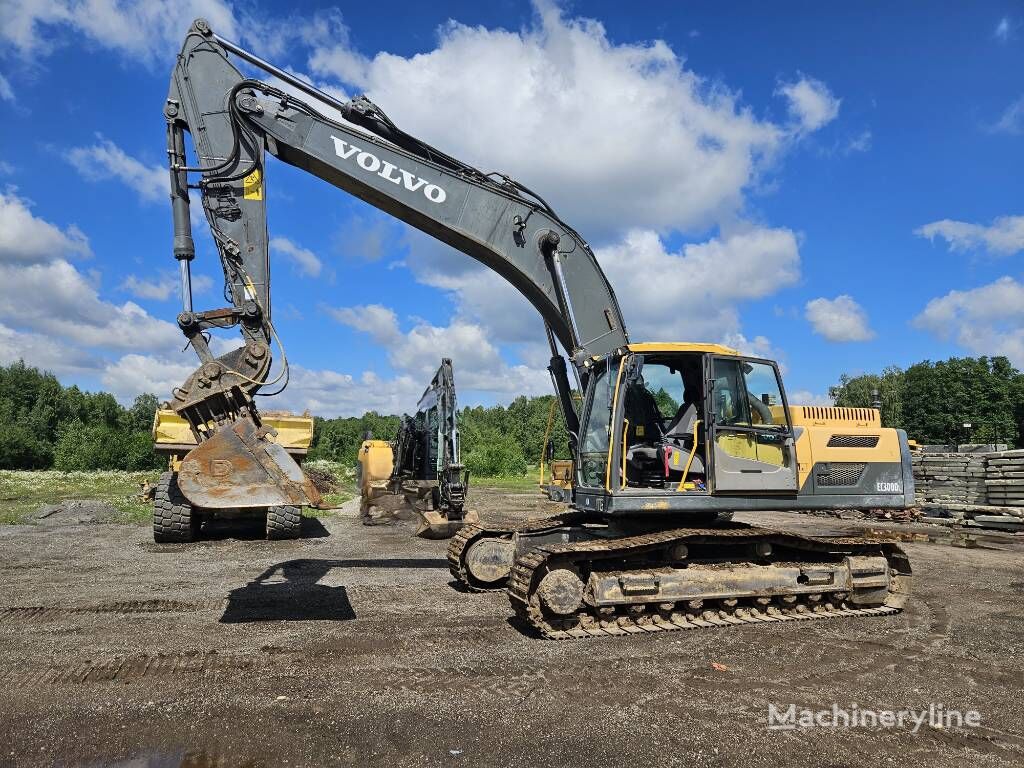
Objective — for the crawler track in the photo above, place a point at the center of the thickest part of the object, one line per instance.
(657, 616)
(471, 533)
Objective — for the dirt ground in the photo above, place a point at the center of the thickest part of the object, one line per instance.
(351, 646)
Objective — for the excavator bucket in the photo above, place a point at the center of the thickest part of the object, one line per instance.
(434, 525)
(241, 467)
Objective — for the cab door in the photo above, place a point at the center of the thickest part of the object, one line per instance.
(752, 446)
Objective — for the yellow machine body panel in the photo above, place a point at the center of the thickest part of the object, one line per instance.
(376, 461)
(172, 435)
(841, 435)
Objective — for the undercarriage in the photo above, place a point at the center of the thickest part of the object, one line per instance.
(568, 578)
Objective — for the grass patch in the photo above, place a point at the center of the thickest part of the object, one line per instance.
(23, 493)
(522, 483)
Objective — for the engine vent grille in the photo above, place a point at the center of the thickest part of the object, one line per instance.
(841, 474)
(834, 413)
(853, 441)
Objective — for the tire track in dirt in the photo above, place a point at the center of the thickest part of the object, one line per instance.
(131, 667)
(39, 613)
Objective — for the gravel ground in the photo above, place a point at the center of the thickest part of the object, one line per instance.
(351, 646)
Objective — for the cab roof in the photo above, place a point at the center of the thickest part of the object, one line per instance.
(681, 346)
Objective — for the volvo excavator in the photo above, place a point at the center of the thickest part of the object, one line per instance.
(669, 438)
(423, 464)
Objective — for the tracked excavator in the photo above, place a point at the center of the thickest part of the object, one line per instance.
(668, 437)
(422, 466)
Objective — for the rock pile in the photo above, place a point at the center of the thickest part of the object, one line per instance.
(944, 478)
(1004, 479)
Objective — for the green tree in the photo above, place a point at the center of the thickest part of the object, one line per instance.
(22, 448)
(856, 392)
(141, 413)
(941, 397)
(933, 400)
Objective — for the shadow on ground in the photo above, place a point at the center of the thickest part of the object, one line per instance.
(253, 528)
(290, 591)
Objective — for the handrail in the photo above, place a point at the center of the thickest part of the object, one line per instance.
(689, 461)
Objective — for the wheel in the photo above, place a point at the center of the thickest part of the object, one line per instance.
(284, 522)
(173, 519)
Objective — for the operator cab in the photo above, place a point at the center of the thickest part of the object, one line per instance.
(685, 420)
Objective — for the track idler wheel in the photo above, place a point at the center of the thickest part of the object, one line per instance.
(560, 592)
(489, 560)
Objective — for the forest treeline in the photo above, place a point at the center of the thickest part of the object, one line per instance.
(44, 424)
(934, 401)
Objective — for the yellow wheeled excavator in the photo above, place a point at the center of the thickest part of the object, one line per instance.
(669, 440)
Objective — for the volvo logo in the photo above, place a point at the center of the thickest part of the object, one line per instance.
(370, 163)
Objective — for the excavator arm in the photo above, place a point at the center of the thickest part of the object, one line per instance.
(234, 121)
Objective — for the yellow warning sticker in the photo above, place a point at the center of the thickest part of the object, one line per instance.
(252, 188)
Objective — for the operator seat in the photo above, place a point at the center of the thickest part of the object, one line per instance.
(644, 434)
(680, 429)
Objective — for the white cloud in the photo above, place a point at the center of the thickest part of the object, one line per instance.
(51, 314)
(988, 320)
(331, 393)
(1003, 237)
(418, 352)
(1012, 120)
(585, 120)
(28, 239)
(1003, 29)
(839, 319)
(305, 261)
(133, 374)
(44, 352)
(806, 397)
(159, 289)
(145, 31)
(694, 294)
(380, 322)
(859, 143)
(163, 286)
(759, 346)
(6, 92)
(105, 160)
(811, 103)
(55, 298)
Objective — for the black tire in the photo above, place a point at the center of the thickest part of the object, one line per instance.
(284, 522)
(173, 518)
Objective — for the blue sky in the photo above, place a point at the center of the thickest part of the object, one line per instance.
(838, 188)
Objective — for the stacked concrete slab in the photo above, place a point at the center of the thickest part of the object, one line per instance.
(950, 478)
(1004, 479)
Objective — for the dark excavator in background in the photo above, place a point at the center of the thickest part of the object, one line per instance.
(422, 467)
(669, 435)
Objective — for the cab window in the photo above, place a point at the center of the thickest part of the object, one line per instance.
(597, 427)
(765, 394)
(729, 401)
(747, 394)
